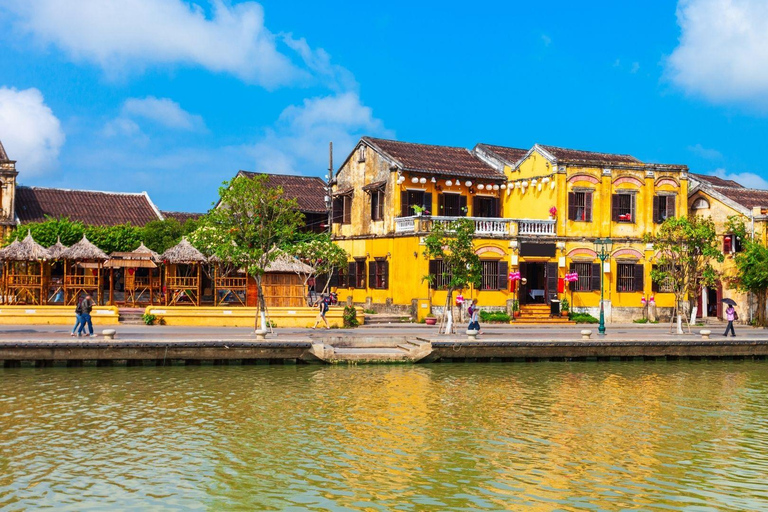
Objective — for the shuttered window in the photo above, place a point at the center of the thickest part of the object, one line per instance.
(584, 270)
(378, 274)
(442, 275)
(663, 208)
(486, 207)
(411, 198)
(630, 277)
(494, 275)
(580, 206)
(731, 244)
(377, 205)
(623, 207)
(664, 286)
(452, 205)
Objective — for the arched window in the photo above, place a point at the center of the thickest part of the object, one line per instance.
(700, 204)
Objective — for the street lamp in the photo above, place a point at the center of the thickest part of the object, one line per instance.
(603, 250)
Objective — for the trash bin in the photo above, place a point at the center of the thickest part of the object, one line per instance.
(554, 307)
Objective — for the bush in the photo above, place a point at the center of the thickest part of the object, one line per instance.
(583, 318)
(350, 317)
(493, 316)
(369, 312)
(640, 321)
(148, 318)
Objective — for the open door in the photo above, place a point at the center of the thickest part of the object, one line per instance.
(551, 275)
(522, 290)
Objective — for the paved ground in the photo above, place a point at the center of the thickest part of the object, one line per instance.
(615, 332)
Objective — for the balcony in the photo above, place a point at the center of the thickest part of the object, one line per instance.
(488, 226)
(527, 227)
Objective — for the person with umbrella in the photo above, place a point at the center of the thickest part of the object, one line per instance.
(730, 315)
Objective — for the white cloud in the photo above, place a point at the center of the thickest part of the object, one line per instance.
(29, 131)
(748, 179)
(299, 142)
(723, 50)
(123, 34)
(164, 111)
(709, 154)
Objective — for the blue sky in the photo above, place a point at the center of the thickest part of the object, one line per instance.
(174, 97)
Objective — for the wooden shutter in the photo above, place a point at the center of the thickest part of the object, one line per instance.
(588, 206)
(551, 281)
(727, 244)
(571, 269)
(656, 210)
(476, 206)
(372, 274)
(347, 210)
(497, 202)
(338, 210)
(428, 202)
(463, 206)
(632, 204)
(501, 282)
(433, 272)
(334, 281)
(654, 284)
(522, 293)
(639, 277)
(571, 205)
(385, 274)
(615, 207)
(597, 269)
(671, 206)
(404, 208)
(352, 274)
(441, 208)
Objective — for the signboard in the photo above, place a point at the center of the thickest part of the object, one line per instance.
(531, 249)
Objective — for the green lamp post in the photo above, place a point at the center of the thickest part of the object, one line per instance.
(603, 250)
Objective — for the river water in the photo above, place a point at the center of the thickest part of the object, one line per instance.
(543, 436)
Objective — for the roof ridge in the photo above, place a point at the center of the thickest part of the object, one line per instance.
(500, 146)
(3, 154)
(741, 188)
(84, 190)
(587, 151)
(287, 175)
(366, 137)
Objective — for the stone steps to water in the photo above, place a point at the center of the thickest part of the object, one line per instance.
(382, 319)
(399, 351)
(131, 316)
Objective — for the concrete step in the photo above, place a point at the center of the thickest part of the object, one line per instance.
(385, 319)
(406, 351)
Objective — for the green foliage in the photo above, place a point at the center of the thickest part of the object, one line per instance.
(515, 305)
(369, 312)
(350, 317)
(148, 318)
(565, 305)
(109, 239)
(455, 246)
(688, 247)
(323, 256)
(583, 318)
(47, 232)
(751, 268)
(640, 321)
(161, 235)
(494, 316)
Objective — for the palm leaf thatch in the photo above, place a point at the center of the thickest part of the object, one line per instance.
(26, 250)
(143, 249)
(287, 263)
(84, 250)
(183, 253)
(56, 249)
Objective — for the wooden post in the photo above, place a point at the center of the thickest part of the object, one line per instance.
(199, 283)
(111, 286)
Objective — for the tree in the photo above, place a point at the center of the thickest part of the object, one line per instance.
(324, 256)
(454, 244)
(120, 238)
(751, 268)
(47, 232)
(249, 222)
(687, 248)
(160, 235)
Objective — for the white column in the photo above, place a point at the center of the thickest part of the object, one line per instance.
(704, 303)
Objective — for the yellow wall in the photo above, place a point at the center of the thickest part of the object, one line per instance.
(245, 317)
(54, 315)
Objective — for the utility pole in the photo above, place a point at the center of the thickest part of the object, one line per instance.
(329, 202)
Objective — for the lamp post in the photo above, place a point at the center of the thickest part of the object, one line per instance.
(603, 250)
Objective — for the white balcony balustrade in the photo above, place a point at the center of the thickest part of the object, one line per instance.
(536, 227)
(483, 225)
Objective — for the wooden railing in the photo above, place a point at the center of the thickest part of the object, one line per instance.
(231, 283)
(177, 283)
(24, 280)
(143, 282)
(83, 281)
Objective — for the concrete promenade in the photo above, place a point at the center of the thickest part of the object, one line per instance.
(398, 343)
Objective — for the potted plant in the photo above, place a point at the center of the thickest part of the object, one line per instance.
(564, 307)
(553, 212)
(430, 319)
(418, 210)
(516, 308)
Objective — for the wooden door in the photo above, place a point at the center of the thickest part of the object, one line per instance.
(522, 293)
(551, 281)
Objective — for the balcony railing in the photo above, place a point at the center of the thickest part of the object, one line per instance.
(536, 227)
(483, 225)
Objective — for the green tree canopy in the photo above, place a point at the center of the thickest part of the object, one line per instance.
(323, 256)
(751, 268)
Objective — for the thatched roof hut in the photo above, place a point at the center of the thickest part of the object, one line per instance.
(287, 263)
(26, 250)
(143, 249)
(56, 249)
(84, 250)
(183, 253)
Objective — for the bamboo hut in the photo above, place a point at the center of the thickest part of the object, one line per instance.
(56, 280)
(230, 284)
(25, 266)
(183, 274)
(83, 263)
(282, 283)
(142, 281)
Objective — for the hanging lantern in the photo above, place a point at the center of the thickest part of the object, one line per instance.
(539, 187)
(468, 183)
(449, 183)
(533, 182)
(552, 185)
(481, 187)
(524, 185)
(503, 186)
(495, 187)
(545, 179)
(509, 191)
(423, 180)
(414, 180)
(517, 185)
(433, 180)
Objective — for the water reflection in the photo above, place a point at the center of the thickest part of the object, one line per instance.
(540, 436)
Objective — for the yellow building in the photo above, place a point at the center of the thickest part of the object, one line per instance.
(8, 175)
(536, 211)
(720, 199)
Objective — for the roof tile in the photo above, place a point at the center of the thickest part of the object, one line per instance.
(309, 191)
(511, 155)
(182, 217)
(578, 156)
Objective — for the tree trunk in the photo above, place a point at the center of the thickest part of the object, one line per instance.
(261, 317)
(448, 312)
(760, 319)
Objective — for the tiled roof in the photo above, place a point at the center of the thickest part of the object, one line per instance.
(444, 160)
(375, 185)
(511, 155)
(309, 191)
(747, 197)
(3, 154)
(715, 181)
(33, 204)
(588, 157)
(182, 217)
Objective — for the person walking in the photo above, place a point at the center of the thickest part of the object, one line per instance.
(85, 311)
(474, 317)
(323, 305)
(730, 315)
(78, 319)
